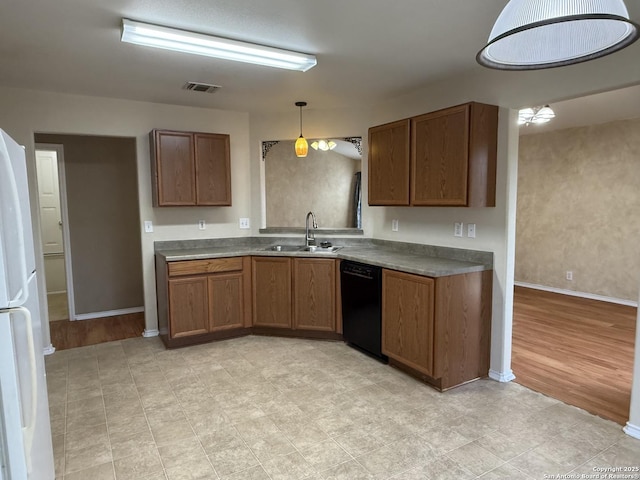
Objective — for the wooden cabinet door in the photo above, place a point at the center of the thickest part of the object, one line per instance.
(314, 286)
(389, 164)
(408, 319)
(226, 301)
(440, 157)
(271, 291)
(188, 306)
(213, 169)
(173, 167)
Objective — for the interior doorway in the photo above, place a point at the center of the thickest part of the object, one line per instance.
(54, 232)
(576, 262)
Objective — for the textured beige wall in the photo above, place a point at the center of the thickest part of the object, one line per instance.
(323, 182)
(578, 204)
(102, 197)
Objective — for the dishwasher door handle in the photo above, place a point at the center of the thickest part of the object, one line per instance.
(354, 274)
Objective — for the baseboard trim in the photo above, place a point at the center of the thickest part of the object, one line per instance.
(502, 376)
(632, 430)
(150, 333)
(590, 296)
(49, 349)
(108, 313)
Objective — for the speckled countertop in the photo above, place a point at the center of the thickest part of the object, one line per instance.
(428, 260)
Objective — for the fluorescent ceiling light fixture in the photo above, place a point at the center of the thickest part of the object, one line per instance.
(535, 34)
(210, 46)
(535, 115)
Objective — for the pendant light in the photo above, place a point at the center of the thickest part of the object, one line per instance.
(302, 147)
(324, 145)
(534, 34)
(536, 115)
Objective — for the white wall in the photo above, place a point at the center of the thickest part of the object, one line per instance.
(25, 112)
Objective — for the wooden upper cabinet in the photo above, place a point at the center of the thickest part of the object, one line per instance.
(190, 169)
(449, 159)
(213, 169)
(453, 156)
(439, 150)
(173, 166)
(389, 164)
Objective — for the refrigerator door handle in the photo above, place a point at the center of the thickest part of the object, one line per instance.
(5, 164)
(29, 428)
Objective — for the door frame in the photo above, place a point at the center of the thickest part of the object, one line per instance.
(64, 213)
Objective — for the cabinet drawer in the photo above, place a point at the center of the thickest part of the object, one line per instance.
(213, 265)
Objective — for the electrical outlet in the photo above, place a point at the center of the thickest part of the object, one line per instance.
(244, 223)
(148, 226)
(471, 230)
(394, 225)
(201, 224)
(569, 275)
(457, 229)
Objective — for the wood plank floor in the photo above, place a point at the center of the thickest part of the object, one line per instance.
(81, 333)
(577, 350)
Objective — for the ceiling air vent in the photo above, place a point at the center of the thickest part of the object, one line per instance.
(201, 87)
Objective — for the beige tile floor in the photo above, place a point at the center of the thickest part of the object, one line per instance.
(267, 408)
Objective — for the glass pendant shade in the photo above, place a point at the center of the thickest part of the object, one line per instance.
(534, 34)
(535, 115)
(302, 147)
(324, 145)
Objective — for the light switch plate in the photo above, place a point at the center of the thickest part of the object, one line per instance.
(457, 229)
(394, 225)
(148, 226)
(244, 223)
(471, 230)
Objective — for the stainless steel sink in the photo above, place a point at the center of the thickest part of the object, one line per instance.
(302, 248)
(285, 248)
(317, 249)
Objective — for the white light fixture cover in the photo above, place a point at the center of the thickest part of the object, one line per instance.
(535, 34)
(324, 145)
(535, 115)
(210, 46)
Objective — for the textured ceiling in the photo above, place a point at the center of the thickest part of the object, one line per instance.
(367, 50)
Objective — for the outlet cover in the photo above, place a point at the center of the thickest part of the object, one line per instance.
(457, 229)
(471, 230)
(394, 225)
(148, 226)
(244, 223)
(201, 224)
(569, 275)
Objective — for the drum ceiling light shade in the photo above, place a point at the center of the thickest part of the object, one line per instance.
(537, 34)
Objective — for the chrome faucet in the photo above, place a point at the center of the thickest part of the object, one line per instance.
(309, 237)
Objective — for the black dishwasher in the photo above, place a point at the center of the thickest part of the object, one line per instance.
(361, 289)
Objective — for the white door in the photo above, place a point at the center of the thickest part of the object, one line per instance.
(49, 195)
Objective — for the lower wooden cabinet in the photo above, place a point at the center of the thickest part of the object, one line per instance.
(295, 294)
(407, 319)
(188, 306)
(271, 292)
(200, 300)
(438, 328)
(314, 294)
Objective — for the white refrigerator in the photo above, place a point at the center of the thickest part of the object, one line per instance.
(26, 450)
